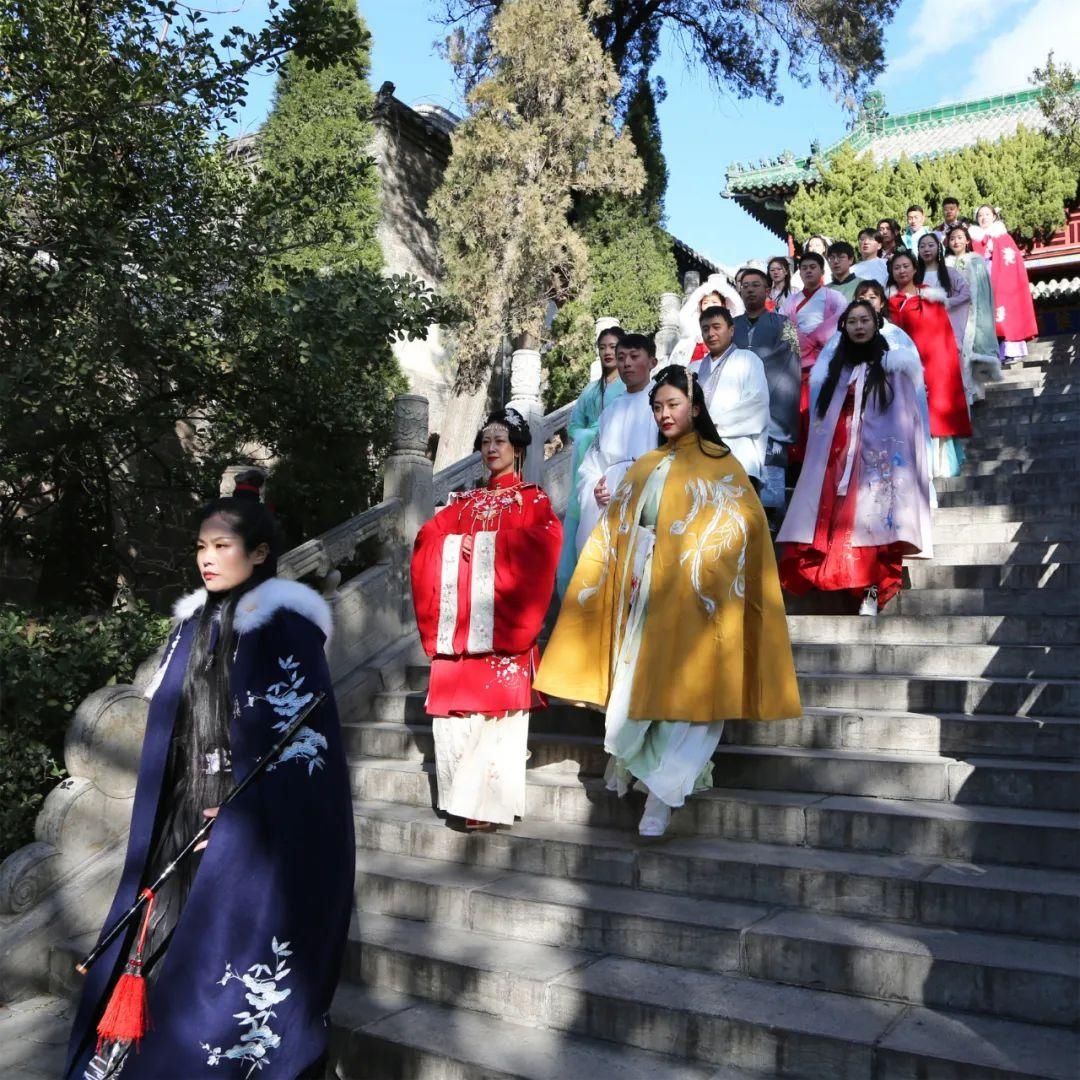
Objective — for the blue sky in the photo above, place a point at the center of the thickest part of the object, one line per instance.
(938, 51)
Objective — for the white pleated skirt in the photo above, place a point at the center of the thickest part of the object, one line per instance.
(480, 765)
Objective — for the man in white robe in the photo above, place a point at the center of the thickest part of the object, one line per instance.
(627, 430)
(736, 391)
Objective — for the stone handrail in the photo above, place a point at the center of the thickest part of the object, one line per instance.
(322, 556)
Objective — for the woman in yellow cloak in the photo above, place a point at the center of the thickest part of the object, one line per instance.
(674, 620)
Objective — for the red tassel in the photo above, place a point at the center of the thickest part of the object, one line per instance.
(126, 1017)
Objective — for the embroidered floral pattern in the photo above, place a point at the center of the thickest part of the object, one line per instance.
(884, 474)
(505, 670)
(725, 530)
(263, 993)
(999, 313)
(287, 698)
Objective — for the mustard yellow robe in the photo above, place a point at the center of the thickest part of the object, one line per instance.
(715, 644)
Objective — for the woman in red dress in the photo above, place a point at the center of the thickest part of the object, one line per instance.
(483, 572)
(1014, 310)
(920, 310)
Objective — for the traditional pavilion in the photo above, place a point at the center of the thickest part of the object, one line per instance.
(764, 188)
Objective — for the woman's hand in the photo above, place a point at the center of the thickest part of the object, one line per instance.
(211, 813)
(601, 493)
(466, 548)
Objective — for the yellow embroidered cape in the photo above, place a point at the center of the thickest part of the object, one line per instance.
(715, 643)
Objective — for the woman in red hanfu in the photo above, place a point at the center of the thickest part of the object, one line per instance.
(483, 572)
(1014, 310)
(920, 310)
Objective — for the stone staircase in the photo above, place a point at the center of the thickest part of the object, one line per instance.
(887, 887)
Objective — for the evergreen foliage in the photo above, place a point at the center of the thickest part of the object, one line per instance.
(141, 346)
(1060, 104)
(740, 46)
(631, 261)
(320, 124)
(1019, 174)
(539, 135)
(50, 665)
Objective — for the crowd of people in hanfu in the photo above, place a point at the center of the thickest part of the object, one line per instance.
(790, 442)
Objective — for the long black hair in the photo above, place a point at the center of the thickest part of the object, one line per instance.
(943, 270)
(780, 260)
(207, 695)
(848, 353)
(682, 379)
(198, 770)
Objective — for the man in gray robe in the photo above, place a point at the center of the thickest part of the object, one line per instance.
(775, 341)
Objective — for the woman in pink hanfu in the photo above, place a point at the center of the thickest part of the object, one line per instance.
(862, 502)
(1014, 310)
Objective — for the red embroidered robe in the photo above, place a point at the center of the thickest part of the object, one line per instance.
(480, 615)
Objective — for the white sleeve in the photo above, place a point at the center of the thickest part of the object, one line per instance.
(750, 417)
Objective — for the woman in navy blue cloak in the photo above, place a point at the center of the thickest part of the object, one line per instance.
(245, 947)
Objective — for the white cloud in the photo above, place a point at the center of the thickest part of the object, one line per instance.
(1006, 61)
(941, 25)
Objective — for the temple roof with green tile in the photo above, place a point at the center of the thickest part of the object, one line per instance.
(762, 188)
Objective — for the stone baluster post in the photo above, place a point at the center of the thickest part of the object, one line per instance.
(691, 280)
(667, 337)
(525, 373)
(408, 476)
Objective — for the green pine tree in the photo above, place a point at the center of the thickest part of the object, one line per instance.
(320, 127)
(1022, 174)
(631, 261)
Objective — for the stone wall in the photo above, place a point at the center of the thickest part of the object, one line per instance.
(411, 148)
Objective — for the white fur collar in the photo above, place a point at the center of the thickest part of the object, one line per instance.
(904, 360)
(257, 607)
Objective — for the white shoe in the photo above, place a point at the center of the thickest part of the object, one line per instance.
(654, 821)
(869, 604)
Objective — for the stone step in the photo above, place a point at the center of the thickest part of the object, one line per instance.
(889, 628)
(1019, 419)
(927, 602)
(1005, 532)
(1037, 438)
(983, 781)
(927, 574)
(378, 1033)
(892, 774)
(1013, 467)
(578, 732)
(925, 693)
(888, 658)
(714, 1019)
(934, 829)
(33, 1037)
(1032, 388)
(1055, 513)
(1051, 455)
(1019, 977)
(949, 734)
(993, 487)
(1021, 499)
(901, 888)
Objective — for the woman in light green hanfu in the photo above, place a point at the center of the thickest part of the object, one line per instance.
(582, 429)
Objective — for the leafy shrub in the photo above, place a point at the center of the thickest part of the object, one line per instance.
(48, 664)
